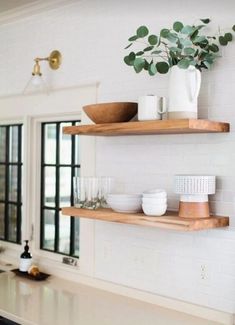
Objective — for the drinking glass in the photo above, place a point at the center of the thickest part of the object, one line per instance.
(92, 190)
(79, 192)
(106, 187)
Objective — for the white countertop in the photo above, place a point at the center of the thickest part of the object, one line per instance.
(60, 302)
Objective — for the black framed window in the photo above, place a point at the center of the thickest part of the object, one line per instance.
(59, 163)
(10, 182)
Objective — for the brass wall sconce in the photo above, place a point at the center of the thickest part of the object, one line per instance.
(36, 82)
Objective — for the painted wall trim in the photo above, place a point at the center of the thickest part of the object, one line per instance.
(28, 10)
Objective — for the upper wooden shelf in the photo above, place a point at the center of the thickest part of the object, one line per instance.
(169, 221)
(149, 127)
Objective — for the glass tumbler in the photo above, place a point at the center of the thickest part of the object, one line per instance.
(92, 189)
(79, 191)
(106, 187)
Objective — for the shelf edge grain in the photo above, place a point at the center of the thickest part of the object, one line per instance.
(182, 126)
(169, 221)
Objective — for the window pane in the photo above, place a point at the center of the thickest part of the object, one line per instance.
(50, 184)
(2, 218)
(76, 237)
(65, 186)
(12, 214)
(49, 229)
(2, 182)
(13, 183)
(65, 145)
(2, 144)
(50, 143)
(64, 231)
(13, 143)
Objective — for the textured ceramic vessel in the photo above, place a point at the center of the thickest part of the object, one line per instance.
(194, 191)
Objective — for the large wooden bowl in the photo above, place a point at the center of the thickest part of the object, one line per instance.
(111, 112)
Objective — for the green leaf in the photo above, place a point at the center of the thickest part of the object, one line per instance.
(139, 53)
(185, 42)
(194, 34)
(233, 28)
(183, 64)
(175, 49)
(152, 69)
(164, 32)
(149, 48)
(128, 46)
(199, 39)
(146, 65)
(189, 51)
(153, 39)
(142, 31)
(223, 41)
(207, 64)
(128, 61)
(205, 20)
(228, 37)
(172, 37)
(131, 56)
(177, 26)
(162, 67)
(139, 64)
(156, 52)
(187, 30)
(133, 38)
(214, 48)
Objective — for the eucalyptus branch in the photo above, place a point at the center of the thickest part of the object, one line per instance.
(182, 45)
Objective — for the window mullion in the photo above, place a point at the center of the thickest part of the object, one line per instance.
(72, 221)
(42, 223)
(57, 193)
(7, 183)
(19, 186)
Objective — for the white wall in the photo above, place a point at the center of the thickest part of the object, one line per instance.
(91, 36)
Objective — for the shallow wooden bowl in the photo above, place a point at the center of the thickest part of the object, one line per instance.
(111, 112)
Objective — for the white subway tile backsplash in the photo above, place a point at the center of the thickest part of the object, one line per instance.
(160, 261)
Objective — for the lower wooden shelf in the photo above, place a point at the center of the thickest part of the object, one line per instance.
(168, 221)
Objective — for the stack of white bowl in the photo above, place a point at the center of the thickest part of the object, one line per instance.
(125, 203)
(154, 202)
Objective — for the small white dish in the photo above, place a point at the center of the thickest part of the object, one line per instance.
(154, 210)
(154, 200)
(157, 193)
(124, 196)
(125, 205)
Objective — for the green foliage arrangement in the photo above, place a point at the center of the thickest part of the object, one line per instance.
(182, 45)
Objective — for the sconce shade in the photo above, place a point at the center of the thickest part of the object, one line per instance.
(37, 84)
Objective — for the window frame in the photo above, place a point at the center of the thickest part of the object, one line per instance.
(34, 110)
(57, 208)
(19, 164)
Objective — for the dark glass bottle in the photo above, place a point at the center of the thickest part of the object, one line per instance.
(25, 258)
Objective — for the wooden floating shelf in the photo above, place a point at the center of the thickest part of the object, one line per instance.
(168, 221)
(149, 127)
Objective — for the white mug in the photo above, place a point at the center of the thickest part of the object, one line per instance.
(151, 107)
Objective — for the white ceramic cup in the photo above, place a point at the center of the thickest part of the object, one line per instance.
(151, 107)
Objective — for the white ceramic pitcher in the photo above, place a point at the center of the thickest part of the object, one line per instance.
(184, 87)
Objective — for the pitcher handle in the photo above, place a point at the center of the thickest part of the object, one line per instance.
(194, 91)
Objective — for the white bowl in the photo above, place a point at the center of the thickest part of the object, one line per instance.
(125, 206)
(155, 194)
(154, 210)
(124, 196)
(154, 200)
